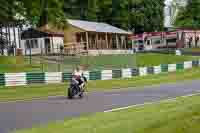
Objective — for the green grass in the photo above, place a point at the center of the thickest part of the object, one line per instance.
(16, 64)
(21, 64)
(124, 61)
(42, 91)
(157, 59)
(180, 116)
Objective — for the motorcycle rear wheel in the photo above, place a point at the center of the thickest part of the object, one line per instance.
(70, 93)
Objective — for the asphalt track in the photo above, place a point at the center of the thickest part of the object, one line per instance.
(26, 114)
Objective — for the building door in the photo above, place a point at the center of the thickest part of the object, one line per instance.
(47, 46)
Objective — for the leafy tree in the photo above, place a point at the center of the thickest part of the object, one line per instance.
(120, 13)
(104, 11)
(92, 10)
(147, 15)
(8, 9)
(189, 17)
(81, 9)
(38, 12)
(141, 15)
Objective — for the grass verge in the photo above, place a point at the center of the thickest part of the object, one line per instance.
(21, 64)
(42, 91)
(180, 116)
(16, 64)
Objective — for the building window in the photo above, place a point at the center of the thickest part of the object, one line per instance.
(156, 41)
(172, 40)
(31, 44)
(27, 44)
(35, 44)
(148, 42)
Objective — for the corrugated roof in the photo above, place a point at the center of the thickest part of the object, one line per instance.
(36, 33)
(96, 27)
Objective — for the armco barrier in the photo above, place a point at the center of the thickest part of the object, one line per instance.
(106, 74)
(35, 78)
(195, 63)
(187, 64)
(2, 79)
(157, 69)
(126, 73)
(179, 66)
(95, 75)
(66, 76)
(116, 74)
(171, 67)
(135, 72)
(19, 79)
(51, 77)
(150, 70)
(143, 71)
(15, 79)
(164, 68)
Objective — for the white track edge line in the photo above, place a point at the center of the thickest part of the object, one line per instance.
(150, 103)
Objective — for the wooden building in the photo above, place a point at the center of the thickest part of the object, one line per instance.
(91, 37)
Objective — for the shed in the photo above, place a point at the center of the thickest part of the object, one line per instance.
(85, 36)
(35, 41)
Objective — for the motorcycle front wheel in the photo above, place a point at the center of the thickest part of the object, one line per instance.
(81, 95)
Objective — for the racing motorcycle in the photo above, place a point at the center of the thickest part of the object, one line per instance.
(74, 88)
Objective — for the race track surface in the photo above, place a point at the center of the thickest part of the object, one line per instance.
(19, 115)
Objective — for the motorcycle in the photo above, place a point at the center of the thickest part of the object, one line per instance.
(74, 88)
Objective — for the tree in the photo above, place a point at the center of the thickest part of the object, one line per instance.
(81, 9)
(147, 15)
(104, 11)
(92, 10)
(120, 13)
(142, 15)
(72, 9)
(8, 10)
(38, 12)
(189, 16)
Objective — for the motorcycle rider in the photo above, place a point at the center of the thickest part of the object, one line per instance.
(79, 76)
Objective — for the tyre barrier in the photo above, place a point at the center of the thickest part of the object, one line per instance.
(19, 79)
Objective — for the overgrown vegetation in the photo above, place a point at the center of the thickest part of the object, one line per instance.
(189, 16)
